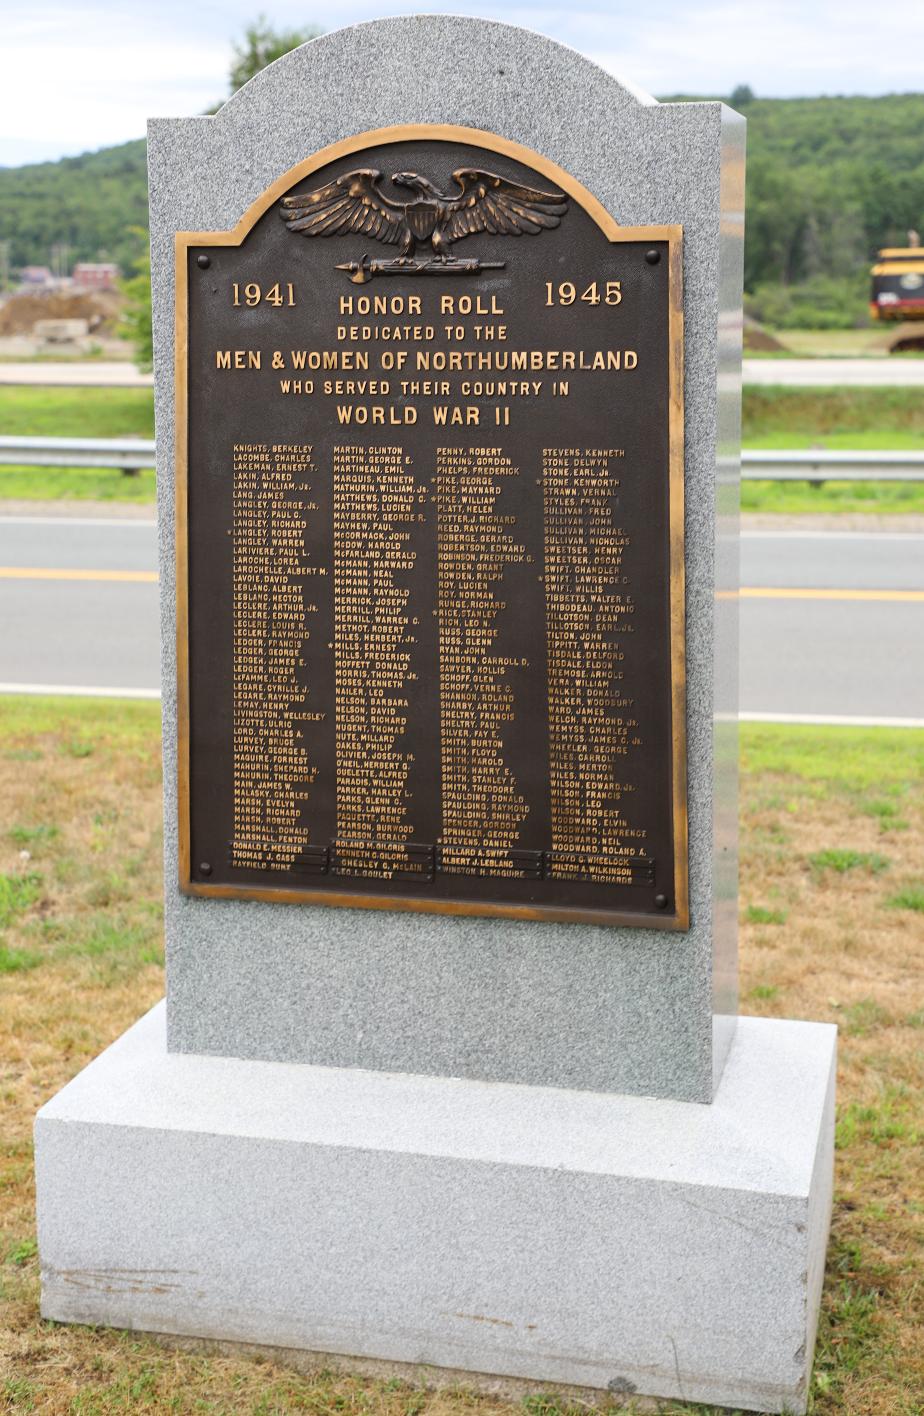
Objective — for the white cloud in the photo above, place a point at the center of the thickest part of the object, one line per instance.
(83, 75)
(77, 81)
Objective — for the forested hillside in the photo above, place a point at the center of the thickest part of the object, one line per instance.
(829, 181)
(89, 204)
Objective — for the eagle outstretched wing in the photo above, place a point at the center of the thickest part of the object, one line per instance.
(492, 203)
(352, 202)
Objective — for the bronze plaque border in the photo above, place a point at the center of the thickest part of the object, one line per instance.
(679, 919)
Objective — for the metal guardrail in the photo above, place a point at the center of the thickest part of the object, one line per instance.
(818, 466)
(130, 454)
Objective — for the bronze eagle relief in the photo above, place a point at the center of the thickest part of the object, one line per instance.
(485, 202)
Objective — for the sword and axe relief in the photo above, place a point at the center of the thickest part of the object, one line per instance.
(355, 203)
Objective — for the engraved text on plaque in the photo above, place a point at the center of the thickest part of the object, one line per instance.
(430, 490)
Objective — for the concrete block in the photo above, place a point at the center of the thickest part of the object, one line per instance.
(610, 1242)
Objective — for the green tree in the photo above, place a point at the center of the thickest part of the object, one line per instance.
(136, 316)
(741, 96)
(261, 45)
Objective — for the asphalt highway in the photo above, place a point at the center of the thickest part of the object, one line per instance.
(75, 374)
(79, 604)
(832, 623)
(878, 372)
(892, 371)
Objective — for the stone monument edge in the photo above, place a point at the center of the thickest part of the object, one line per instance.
(727, 583)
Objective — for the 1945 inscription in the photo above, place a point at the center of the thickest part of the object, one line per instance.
(432, 606)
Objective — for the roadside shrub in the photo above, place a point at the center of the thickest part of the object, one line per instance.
(821, 302)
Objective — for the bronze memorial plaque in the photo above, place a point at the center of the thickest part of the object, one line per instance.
(430, 541)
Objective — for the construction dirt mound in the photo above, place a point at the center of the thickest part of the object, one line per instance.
(100, 308)
(759, 340)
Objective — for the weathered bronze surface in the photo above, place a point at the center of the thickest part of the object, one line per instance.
(485, 202)
(430, 563)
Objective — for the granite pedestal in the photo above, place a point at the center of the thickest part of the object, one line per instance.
(611, 1242)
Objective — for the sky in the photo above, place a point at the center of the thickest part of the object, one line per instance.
(79, 76)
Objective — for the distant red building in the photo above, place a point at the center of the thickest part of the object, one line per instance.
(95, 275)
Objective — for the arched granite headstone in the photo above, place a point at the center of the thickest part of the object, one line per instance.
(448, 527)
(618, 1010)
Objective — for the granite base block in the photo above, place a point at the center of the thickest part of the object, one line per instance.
(619, 1243)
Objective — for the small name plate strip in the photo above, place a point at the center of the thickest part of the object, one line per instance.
(430, 542)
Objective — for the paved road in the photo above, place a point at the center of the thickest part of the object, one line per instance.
(79, 632)
(879, 372)
(885, 372)
(832, 623)
(76, 374)
(850, 644)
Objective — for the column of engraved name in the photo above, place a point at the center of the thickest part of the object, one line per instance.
(272, 613)
(483, 809)
(377, 503)
(588, 614)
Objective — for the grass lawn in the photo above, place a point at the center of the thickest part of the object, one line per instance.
(76, 413)
(833, 498)
(867, 419)
(33, 411)
(89, 484)
(863, 418)
(832, 918)
(876, 419)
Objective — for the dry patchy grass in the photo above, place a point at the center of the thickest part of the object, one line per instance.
(832, 871)
(832, 928)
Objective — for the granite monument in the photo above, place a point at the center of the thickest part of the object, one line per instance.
(450, 1073)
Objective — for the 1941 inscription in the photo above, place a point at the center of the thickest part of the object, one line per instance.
(431, 604)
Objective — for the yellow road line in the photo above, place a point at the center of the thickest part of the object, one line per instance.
(17, 572)
(786, 592)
